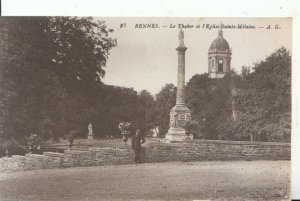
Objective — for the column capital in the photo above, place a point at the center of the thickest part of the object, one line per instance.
(181, 49)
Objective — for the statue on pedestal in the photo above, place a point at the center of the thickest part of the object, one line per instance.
(125, 130)
(90, 134)
(90, 128)
(179, 114)
(181, 38)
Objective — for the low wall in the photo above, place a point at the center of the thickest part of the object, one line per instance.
(201, 150)
(189, 150)
(101, 156)
(28, 162)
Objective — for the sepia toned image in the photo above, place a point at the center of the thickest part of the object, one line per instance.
(145, 108)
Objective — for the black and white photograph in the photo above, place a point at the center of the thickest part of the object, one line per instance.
(145, 108)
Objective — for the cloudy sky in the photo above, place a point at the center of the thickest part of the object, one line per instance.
(145, 58)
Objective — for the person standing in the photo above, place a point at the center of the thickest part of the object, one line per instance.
(136, 142)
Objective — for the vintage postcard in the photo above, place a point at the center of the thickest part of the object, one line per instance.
(145, 108)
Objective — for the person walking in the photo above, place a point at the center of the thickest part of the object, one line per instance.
(136, 142)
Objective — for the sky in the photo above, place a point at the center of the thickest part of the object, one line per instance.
(145, 58)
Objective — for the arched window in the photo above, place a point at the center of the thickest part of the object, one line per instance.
(212, 62)
(220, 65)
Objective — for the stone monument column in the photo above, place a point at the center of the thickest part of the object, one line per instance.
(179, 114)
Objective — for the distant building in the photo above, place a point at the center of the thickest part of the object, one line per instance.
(219, 57)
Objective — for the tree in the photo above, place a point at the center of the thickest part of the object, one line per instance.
(164, 101)
(210, 103)
(117, 104)
(30, 90)
(146, 105)
(50, 73)
(80, 49)
(264, 101)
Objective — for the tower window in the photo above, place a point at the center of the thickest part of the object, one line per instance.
(220, 65)
(212, 62)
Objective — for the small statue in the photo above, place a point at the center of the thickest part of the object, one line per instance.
(181, 34)
(181, 37)
(90, 128)
(174, 120)
(90, 134)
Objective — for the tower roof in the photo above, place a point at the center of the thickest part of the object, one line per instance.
(219, 44)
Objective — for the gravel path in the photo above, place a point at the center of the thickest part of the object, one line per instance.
(217, 180)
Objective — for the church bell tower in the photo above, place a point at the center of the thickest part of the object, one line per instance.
(219, 56)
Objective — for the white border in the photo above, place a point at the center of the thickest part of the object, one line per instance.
(163, 8)
(187, 8)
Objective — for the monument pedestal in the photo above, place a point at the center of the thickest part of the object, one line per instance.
(179, 115)
(90, 137)
(175, 135)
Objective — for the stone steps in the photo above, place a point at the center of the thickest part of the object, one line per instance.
(53, 154)
(80, 148)
(36, 156)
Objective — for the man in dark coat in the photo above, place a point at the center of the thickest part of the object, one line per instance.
(136, 142)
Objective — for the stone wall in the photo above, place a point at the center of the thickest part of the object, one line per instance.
(28, 162)
(203, 150)
(101, 156)
(189, 150)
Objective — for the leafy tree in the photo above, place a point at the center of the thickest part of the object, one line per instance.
(264, 101)
(30, 90)
(146, 104)
(117, 104)
(80, 49)
(164, 101)
(195, 128)
(50, 73)
(210, 103)
(260, 100)
(245, 71)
